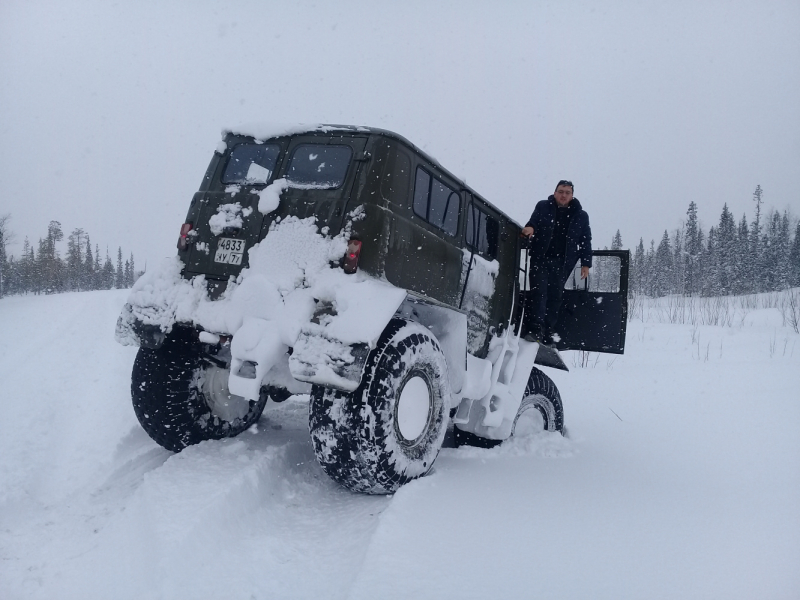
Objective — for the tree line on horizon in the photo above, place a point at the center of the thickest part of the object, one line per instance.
(43, 270)
(731, 258)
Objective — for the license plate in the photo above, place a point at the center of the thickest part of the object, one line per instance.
(229, 251)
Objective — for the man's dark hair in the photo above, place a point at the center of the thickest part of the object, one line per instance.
(566, 182)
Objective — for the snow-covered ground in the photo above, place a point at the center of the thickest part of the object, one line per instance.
(680, 478)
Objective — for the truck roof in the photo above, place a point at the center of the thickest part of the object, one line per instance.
(265, 131)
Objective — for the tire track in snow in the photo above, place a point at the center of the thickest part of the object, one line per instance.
(101, 511)
(258, 506)
(255, 514)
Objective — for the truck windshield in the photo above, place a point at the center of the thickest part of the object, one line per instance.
(317, 166)
(251, 164)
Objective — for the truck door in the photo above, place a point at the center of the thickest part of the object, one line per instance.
(594, 311)
(321, 171)
(479, 278)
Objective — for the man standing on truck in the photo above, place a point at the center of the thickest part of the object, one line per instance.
(559, 235)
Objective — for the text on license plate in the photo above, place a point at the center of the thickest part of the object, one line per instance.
(229, 251)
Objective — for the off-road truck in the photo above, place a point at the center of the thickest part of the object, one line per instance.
(345, 263)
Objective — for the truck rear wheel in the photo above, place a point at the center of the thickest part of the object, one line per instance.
(181, 398)
(390, 430)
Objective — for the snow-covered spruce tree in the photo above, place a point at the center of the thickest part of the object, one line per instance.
(606, 276)
(88, 267)
(700, 266)
(637, 269)
(775, 252)
(49, 267)
(726, 249)
(769, 260)
(710, 265)
(756, 244)
(108, 275)
(5, 235)
(74, 266)
(127, 275)
(98, 269)
(677, 261)
(38, 277)
(649, 272)
(600, 272)
(664, 269)
(794, 259)
(24, 268)
(742, 266)
(785, 246)
(9, 276)
(132, 279)
(693, 247)
(119, 280)
(616, 243)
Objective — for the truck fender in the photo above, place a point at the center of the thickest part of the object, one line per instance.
(448, 324)
(331, 350)
(322, 357)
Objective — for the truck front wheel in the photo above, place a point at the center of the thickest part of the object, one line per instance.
(540, 410)
(390, 430)
(541, 407)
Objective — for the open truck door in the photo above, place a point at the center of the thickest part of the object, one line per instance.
(594, 311)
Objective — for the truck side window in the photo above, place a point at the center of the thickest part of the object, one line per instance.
(422, 187)
(319, 166)
(483, 228)
(436, 202)
(251, 164)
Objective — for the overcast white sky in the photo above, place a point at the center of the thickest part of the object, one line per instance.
(110, 112)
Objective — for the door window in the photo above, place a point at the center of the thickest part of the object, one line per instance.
(482, 232)
(604, 276)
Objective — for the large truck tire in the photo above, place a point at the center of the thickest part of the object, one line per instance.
(541, 408)
(182, 398)
(391, 428)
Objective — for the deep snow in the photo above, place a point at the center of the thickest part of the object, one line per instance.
(680, 478)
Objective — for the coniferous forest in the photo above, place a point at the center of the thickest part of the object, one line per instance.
(733, 257)
(42, 269)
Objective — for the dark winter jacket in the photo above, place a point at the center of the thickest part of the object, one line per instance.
(579, 234)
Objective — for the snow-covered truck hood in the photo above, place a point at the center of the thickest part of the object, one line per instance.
(269, 305)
